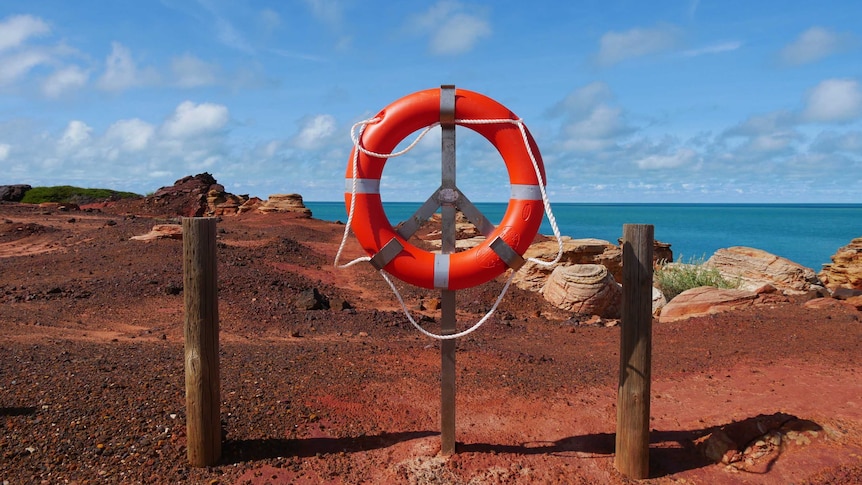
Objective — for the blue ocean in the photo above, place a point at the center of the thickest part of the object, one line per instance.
(808, 234)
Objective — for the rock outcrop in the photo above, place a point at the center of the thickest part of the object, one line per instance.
(707, 300)
(13, 193)
(584, 288)
(532, 276)
(846, 267)
(285, 203)
(162, 231)
(755, 268)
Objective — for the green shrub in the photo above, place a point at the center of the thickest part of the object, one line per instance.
(674, 278)
(69, 194)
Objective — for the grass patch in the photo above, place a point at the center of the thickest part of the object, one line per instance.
(674, 278)
(74, 195)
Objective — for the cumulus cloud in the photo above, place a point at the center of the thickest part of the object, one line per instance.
(590, 121)
(315, 132)
(812, 45)
(5, 148)
(130, 135)
(16, 29)
(191, 120)
(77, 133)
(451, 29)
(834, 101)
(63, 80)
(615, 47)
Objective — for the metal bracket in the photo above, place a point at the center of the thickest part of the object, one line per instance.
(386, 254)
(507, 254)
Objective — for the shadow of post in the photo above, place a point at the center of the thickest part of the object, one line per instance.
(236, 451)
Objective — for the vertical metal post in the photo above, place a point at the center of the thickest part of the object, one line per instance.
(447, 297)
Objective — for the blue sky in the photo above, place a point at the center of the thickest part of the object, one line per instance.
(672, 101)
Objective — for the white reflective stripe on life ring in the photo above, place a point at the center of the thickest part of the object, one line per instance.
(526, 192)
(363, 186)
(441, 271)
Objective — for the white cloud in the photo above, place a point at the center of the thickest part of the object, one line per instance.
(76, 133)
(270, 19)
(682, 157)
(812, 45)
(16, 29)
(590, 122)
(327, 11)
(16, 66)
(452, 30)
(834, 101)
(189, 71)
(831, 142)
(459, 34)
(315, 132)
(615, 47)
(713, 49)
(131, 135)
(121, 72)
(4, 151)
(190, 120)
(63, 80)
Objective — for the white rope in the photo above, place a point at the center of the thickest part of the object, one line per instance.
(454, 335)
(357, 147)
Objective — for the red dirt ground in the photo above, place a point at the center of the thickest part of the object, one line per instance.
(92, 386)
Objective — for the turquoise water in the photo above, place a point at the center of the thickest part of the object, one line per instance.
(808, 234)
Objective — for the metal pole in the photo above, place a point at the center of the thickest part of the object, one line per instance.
(447, 297)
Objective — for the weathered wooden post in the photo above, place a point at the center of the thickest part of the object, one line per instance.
(200, 288)
(633, 399)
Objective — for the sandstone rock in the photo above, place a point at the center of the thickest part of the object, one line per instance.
(846, 267)
(250, 205)
(584, 288)
(221, 203)
(575, 251)
(285, 203)
(755, 267)
(705, 300)
(162, 231)
(825, 303)
(13, 193)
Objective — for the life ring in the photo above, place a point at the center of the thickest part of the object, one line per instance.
(518, 227)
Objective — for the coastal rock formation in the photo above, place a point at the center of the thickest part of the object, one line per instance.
(162, 231)
(705, 300)
(846, 267)
(13, 193)
(708, 300)
(755, 268)
(584, 288)
(533, 277)
(285, 203)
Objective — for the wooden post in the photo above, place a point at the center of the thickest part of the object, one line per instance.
(633, 400)
(200, 288)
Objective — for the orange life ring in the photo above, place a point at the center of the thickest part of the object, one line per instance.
(519, 225)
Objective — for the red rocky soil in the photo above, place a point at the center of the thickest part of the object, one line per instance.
(92, 379)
